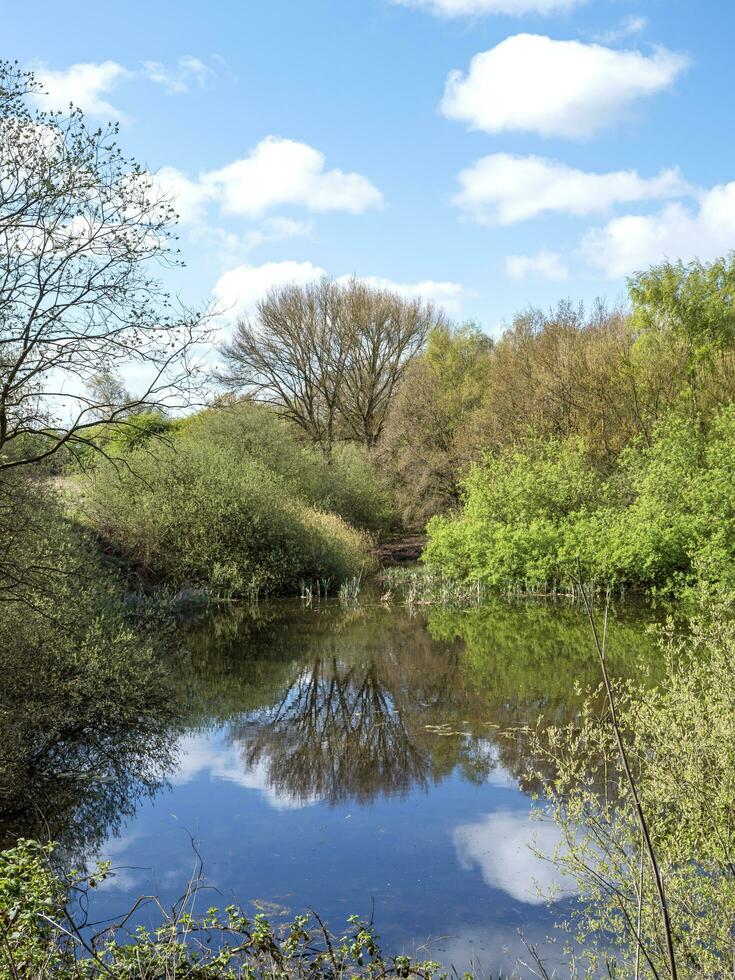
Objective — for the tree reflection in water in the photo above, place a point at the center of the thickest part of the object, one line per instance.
(330, 703)
(336, 735)
(356, 704)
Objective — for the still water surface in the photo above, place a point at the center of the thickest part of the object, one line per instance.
(335, 758)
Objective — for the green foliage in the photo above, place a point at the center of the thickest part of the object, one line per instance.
(76, 731)
(664, 520)
(680, 739)
(694, 302)
(204, 514)
(346, 481)
(519, 523)
(117, 439)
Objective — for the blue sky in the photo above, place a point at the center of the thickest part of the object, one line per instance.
(585, 139)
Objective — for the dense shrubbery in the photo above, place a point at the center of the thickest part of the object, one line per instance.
(238, 505)
(346, 481)
(664, 519)
(608, 440)
(603, 379)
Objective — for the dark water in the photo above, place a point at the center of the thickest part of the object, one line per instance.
(336, 758)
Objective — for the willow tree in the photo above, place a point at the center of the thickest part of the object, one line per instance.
(82, 235)
(329, 355)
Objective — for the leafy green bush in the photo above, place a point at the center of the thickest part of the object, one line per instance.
(663, 520)
(346, 481)
(117, 439)
(679, 737)
(519, 519)
(78, 734)
(200, 514)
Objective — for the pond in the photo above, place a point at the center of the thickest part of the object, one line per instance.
(360, 759)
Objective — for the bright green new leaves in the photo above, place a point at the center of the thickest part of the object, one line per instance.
(680, 739)
(664, 520)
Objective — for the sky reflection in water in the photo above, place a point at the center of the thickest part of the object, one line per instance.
(330, 757)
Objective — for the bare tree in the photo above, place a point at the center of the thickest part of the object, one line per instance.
(329, 355)
(293, 356)
(81, 233)
(384, 333)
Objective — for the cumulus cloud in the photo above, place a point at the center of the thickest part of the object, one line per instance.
(677, 231)
(511, 8)
(278, 172)
(502, 188)
(238, 290)
(448, 295)
(86, 85)
(543, 265)
(282, 171)
(532, 83)
(189, 197)
(501, 846)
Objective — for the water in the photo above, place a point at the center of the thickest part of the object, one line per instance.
(363, 760)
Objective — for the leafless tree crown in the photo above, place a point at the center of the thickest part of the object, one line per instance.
(329, 354)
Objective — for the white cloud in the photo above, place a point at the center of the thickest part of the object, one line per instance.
(502, 188)
(447, 295)
(177, 80)
(501, 846)
(529, 82)
(239, 289)
(282, 171)
(677, 231)
(85, 85)
(628, 27)
(278, 172)
(543, 265)
(232, 248)
(512, 8)
(189, 197)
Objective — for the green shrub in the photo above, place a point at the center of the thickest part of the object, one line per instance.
(117, 439)
(200, 514)
(78, 734)
(519, 519)
(664, 520)
(346, 481)
(679, 736)
(40, 939)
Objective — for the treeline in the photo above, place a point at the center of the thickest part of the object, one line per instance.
(605, 439)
